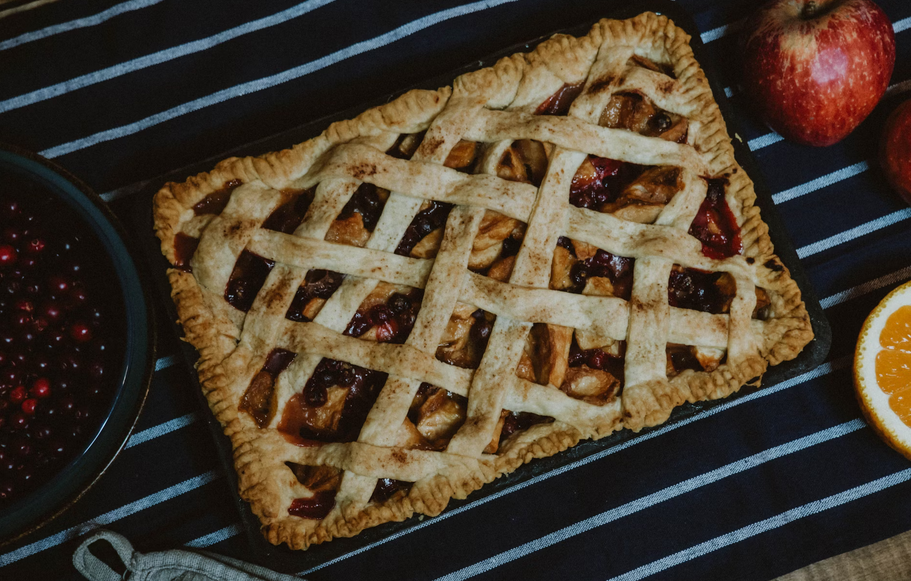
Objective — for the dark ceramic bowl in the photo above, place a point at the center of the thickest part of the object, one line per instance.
(134, 333)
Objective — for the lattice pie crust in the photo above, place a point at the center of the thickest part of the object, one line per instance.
(306, 488)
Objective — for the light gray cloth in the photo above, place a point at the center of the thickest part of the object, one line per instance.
(176, 565)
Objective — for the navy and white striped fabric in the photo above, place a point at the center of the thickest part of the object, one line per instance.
(120, 93)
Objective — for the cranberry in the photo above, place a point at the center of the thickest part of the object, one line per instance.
(28, 406)
(78, 295)
(35, 245)
(41, 388)
(59, 285)
(80, 332)
(597, 358)
(8, 255)
(18, 395)
(51, 311)
(380, 314)
(53, 339)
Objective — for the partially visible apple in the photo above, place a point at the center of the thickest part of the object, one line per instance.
(895, 153)
(817, 68)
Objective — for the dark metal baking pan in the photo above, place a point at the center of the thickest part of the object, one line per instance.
(283, 559)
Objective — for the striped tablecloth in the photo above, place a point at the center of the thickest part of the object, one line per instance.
(120, 93)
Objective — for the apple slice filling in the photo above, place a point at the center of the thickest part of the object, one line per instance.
(333, 404)
(582, 268)
(323, 482)
(257, 400)
(465, 338)
(628, 191)
(358, 218)
(559, 102)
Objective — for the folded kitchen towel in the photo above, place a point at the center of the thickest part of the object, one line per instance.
(176, 565)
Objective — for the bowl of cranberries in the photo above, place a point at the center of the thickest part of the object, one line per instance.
(76, 340)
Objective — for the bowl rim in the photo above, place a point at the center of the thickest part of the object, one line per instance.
(139, 356)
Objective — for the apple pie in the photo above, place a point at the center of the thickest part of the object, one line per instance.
(450, 285)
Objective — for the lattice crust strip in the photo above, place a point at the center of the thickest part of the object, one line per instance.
(641, 62)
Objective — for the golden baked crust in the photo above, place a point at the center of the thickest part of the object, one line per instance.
(494, 106)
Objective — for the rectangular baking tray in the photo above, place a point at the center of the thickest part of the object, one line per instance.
(283, 559)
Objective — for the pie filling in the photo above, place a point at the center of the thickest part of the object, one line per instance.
(257, 400)
(333, 404)
(387, 315)
(359, 216)
(215, 202)
(288, 216)
(336, 399)
(559, 102)
(312, 295)
(247, 278)
(715, 225)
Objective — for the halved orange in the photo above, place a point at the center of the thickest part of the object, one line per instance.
(882, 369)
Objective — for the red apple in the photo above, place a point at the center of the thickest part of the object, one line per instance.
(817, 68)
(895, 152)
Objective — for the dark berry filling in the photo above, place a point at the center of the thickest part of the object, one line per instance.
(519, 421)
(386, 488)
(710, 292)
(393, 320)
(366, 202)
(601, 187)
(317, 414)
(215, 202)
(315, 508)
(247, 278)
(559, 102)
(184, 249)
(318, 284)
(287, 217)
(618, 269)
(59, 329)
(682, 357)
(596, 359)
(715, 225)
(424, 223)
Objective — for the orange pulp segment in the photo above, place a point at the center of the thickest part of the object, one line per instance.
(893, 363)
(897, 332)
